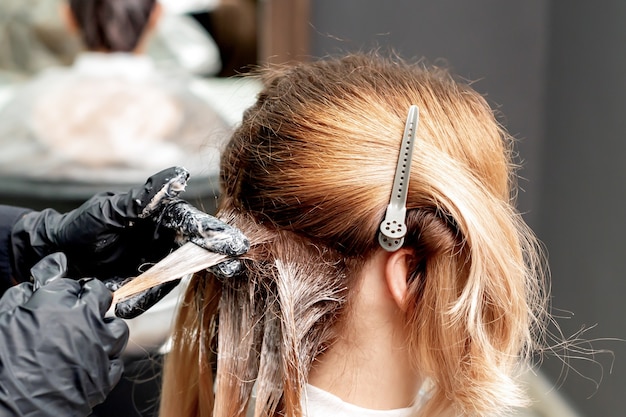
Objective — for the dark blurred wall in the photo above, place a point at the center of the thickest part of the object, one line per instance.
(583, 200)
(499, 45)
(557, 72)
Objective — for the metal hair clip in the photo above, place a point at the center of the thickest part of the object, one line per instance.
(393, 229)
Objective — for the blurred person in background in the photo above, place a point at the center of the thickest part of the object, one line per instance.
(33, 37)
(113, 115)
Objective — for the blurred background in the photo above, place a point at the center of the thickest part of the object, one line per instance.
(555, 70)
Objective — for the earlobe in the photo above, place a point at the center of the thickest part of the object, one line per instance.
(396, 275)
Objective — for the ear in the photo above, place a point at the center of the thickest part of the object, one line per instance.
(68, 17)
(397, 273)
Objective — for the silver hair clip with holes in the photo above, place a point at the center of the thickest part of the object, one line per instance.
(393, 229)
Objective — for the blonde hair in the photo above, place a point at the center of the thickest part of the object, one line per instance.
(307, 176)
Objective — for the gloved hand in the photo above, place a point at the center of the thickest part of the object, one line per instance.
(58, 355)
(113, 236)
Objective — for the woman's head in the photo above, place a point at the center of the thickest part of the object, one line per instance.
(325, 137)
(112, 25)
(308, 176)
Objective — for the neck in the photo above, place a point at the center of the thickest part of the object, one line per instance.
(369, 365)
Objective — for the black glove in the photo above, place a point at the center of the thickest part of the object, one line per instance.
(113, 236)
(58, 355)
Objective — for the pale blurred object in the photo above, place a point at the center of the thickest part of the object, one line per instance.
(109, 117)
(181, 41)
(230, 97)
(189, 6)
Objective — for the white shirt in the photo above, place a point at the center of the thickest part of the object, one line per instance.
(319, 403)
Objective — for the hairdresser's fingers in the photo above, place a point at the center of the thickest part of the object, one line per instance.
(141, 302)
(227, 269)
(115, 338)
(16, 296)
(159, 190)
(115, 283)
(116, 369)
(95, 295)
(48, 269)
(204, 230)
